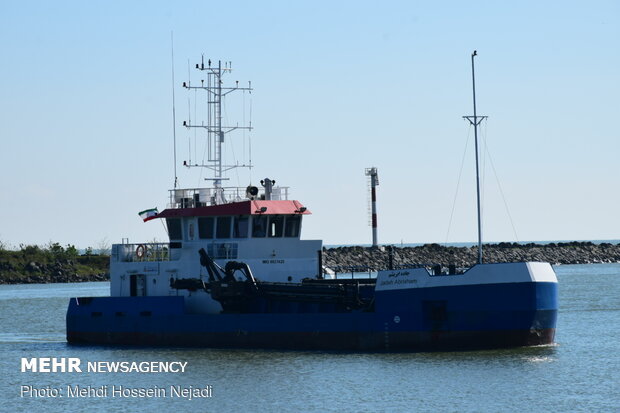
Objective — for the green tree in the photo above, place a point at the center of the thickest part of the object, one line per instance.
(71, 251)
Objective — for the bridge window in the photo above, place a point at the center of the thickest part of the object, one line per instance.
(223, 227)
(259, 226)
(205, 227)
(293, 223)
(174, 228)
(240, 226)
(276, 225)
(223, 250)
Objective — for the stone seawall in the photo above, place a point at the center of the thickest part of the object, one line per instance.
(429, 254)
(22, 267)
(18, 267)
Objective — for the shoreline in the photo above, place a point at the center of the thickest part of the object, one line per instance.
(563, 253)
(34, 267)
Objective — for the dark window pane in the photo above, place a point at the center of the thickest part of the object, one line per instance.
(240, 227)
(222, 250)
(276, 225)
(293, 223)
(174, 228)
(259, 226)
(205, 227)
(223, 227)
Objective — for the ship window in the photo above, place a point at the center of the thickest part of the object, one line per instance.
(222, 250)
(240, 226)
(205, 227)
(276, 225)
(223, 227)
(293, 223)
(259, 226)
(174, 228)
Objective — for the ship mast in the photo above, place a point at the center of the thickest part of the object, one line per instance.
(475, 120)
(215, 130)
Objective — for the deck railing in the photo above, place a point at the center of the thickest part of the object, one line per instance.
(143, 252)
(199, 197)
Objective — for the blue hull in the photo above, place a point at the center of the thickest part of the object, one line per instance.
(416, 319)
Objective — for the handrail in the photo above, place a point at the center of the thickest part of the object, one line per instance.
(142, 252)
(198, 197)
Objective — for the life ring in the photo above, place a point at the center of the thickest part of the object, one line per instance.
(140, 250)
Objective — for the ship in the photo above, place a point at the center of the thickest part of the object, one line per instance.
(235, 273)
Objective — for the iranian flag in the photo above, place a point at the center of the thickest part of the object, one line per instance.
(148, 214)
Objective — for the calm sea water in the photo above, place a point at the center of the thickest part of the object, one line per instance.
(581, 373)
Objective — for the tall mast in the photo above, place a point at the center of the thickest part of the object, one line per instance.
(216, 132)
(476, 120)
(174, 112)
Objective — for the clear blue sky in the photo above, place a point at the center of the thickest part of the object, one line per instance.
(86, 130)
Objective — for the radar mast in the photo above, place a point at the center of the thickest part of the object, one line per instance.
(216, 131)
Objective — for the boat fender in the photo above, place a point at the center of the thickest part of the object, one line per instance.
(140, 250)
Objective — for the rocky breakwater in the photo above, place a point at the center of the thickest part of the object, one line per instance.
(344, 258)
(32, 264)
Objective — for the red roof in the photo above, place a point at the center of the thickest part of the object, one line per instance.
(239, 208)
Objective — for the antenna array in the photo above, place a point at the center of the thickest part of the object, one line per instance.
(216, 131)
